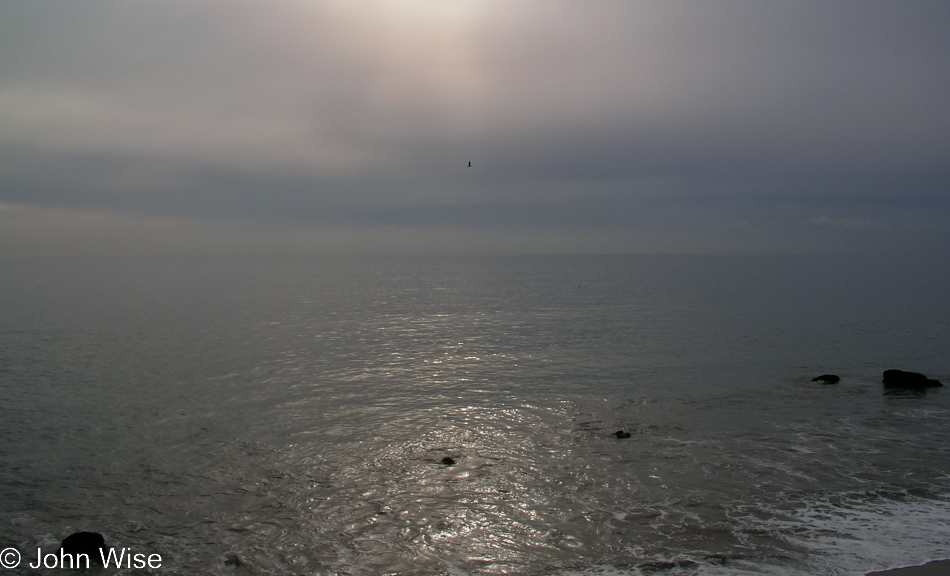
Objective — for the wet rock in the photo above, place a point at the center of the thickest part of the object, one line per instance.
(902, 379)
(448, 461)
(621, 434)
(233, 560)
(91, 544)
(827, 379)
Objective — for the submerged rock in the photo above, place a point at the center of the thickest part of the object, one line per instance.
(233, 560)
(652, 567)
(902, 379)
(621, 434)
(90, 543)
(827, 379)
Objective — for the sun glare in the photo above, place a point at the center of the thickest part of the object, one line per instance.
(430, 11)
(420, 12)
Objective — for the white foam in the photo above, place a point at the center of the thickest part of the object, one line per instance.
(882, 534)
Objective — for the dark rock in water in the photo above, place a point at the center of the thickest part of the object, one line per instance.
(448, 461)
(90, 543)
(901, 379)
(827, 379)
(621, 434)
(233, 560)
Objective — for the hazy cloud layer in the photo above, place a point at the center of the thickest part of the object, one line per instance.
(597, 126)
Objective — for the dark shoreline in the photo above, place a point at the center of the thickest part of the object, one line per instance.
(935, 568)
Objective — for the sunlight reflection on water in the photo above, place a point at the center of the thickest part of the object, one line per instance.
(297, 421)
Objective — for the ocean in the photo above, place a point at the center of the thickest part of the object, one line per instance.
(457, 415)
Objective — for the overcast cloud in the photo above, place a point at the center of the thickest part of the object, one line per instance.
(332, 126)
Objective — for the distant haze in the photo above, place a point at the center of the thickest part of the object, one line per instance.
(595, 126)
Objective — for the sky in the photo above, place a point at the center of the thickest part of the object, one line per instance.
(239, 127)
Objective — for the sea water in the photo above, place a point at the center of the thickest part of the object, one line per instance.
(286, 417)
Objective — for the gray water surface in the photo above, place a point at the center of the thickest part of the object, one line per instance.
(290, 417)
